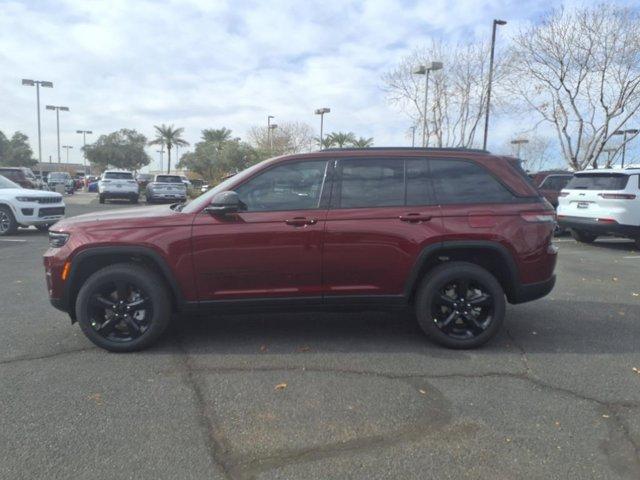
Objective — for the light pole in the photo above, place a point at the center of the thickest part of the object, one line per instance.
(269, 117)
(321, 112)
(272, 126)
(58, 108)
(493, 47)
(67, 148)
(632, 131)
(425, 70)
(161, 152)
(38, 84)
(413, 135)
(519, 142)
(84, 145)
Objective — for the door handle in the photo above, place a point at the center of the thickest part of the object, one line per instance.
(301, 221)
(414, 217)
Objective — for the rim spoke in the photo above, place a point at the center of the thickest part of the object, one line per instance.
(107, 326)
(134, 328)
(480, 300)
(473, 324)
(462, 287)
(137, 303)
(447, 300)
(101, 301)
(446, 323)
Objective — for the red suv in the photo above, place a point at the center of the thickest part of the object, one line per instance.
(451, 233)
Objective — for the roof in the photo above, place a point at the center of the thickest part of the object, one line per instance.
(603, 171)
(413, 149)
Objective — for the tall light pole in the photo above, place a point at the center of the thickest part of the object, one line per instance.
(269, 117)
(519, 142)
(67, 148)
(425, 70)
(161, 152)
(321, 112)
(632, 131)
(413, 135)
(84, 144)
(493, 47)
(58, 108)
(38, 84)
(272, 126)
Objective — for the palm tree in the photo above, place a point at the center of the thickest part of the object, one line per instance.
(363, 142)
(169, 136)
(340, 139)
(216, 135)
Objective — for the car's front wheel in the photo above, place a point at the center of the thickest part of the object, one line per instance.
(8, 224)
(583, 237)
(123, 307)
(460, 305)
(43, 227)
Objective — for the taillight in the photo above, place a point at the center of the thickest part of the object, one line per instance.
(606, 220)
(617, 196)
(563, 194)
(542, 217)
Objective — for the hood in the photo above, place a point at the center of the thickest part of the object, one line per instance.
(121, 218)
(27, 192)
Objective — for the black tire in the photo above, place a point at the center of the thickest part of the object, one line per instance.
(101, 198)
(133, 200)
(122, 331)
(43, 227)
(8, 224)
(637, 243)
(583, 237)
(452, 323)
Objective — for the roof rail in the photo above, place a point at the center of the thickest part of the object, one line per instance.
(429, 149)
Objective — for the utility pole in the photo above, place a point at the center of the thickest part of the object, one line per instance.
(84, 144)
(38, 84)
(425, 70)
(58, 108)
(493, 47)
(321, 112)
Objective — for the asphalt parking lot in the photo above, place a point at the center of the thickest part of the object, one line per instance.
(327, 396)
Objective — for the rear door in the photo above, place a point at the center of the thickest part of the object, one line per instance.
(382, 215)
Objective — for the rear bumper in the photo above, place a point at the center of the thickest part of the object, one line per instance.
(592, 225)
(59, 304)
(123, 194)
(527, 292)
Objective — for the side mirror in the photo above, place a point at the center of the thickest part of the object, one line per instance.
(224, 203)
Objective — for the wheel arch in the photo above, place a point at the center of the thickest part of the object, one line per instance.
(492, 256)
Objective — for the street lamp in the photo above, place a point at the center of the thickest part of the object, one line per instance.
(425, 70)
(161, 152)
(631, 131)
(67, 148)
(38, 84)
(413, 135)
(269, 117)
(321, 112)
(519, 142)
(272, 126)
(493, 47)
(58, 108)
(84, 144)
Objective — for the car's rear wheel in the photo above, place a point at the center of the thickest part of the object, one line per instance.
(123, 308)
(460, 305)
(8, 224)
(583, 237)
(101, 198)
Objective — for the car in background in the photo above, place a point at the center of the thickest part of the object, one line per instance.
(21, 175)
(118, 184)
(550, 183)
(92, 186)
(602, 202)
(166, 187)
(186, 181)
(143, 179)
(57, 179)
(21, 207)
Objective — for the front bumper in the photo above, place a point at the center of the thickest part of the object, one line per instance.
(596, 226)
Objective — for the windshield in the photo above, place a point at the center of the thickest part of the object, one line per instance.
(598, 181)
(205, 199)
(168, 179)
(59, 176)
(6, 183)
(118, 176)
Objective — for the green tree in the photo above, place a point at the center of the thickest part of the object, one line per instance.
(16, 152)
(363, 142)
(340, 139)
(218, 154)
(169, 136)
(122, 149)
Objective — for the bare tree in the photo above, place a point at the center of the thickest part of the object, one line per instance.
(579, 71)
(457, 93)
(289, 137)
(536, 154)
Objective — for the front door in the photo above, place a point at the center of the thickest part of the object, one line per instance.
(273, 249)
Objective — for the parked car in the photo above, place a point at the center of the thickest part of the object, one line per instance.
(118, 184)
(602, 202)
(166, 187)
(550, 183)
(143, 179)
(61, 178)
(23, 207)
(20, 175)
(450, 233)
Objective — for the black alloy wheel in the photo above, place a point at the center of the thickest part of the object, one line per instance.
(8, 223)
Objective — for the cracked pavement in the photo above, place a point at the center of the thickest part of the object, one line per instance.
(366, 397)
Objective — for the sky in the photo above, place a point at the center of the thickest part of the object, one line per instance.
(211, 63)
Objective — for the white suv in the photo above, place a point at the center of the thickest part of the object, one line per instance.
(118, 184)
(23, 207)
(602, 202)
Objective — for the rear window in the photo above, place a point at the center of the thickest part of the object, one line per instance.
(598, 181)
(168, 179)
(555, 182)
(118, 176)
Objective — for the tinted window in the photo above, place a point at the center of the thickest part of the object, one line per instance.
(418, 183)
(457, 181)
(168, 179)
(601, 181)
(118, 175)
(292, 186)
(372, 183)
(555, 182)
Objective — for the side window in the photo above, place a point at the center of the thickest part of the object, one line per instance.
(371, 183)
(291, 186)
(418, 182)
(457, 182)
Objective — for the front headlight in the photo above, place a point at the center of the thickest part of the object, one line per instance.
(57, 239)
(27, 199)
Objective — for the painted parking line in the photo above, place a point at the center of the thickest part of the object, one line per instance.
(12, 240)
(633, 256)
